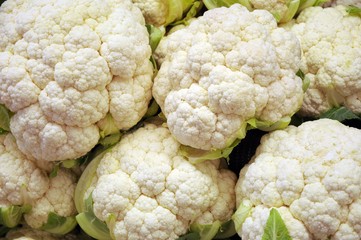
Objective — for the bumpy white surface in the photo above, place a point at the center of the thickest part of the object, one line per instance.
(65, 65)
(228, 66)
(152, 192)
(313, 172)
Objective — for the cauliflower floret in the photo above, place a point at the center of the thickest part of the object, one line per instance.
(144, 188)
(313, 172)
(208, 88)
(66, 66)
(25, 184)
(331, 44)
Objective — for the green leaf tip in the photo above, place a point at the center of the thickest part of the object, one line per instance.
(353, 10)
(92, 225)
(243, 211)
(5, 116)
(206, 231)
(11, 216)
(340, 114)
(268, 126)
(275, 228)
(58, 224)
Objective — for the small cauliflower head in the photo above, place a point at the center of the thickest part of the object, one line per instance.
(227, 67)
(144, 189)
(66, 67)
(331, 44)
(312, 175)
(24, 184)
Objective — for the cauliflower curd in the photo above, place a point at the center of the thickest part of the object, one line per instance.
(65, 65)
(312, 175)
(144, 189)
(227, 67)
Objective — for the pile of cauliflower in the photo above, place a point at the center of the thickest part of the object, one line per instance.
(126, 119)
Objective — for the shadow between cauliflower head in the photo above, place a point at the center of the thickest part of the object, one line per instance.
(68, 65)
(226, 69)
(312, 175)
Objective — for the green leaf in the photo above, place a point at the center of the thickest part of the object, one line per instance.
(190, 236)
(86, 179)
(110, 140)
(197, 155)
(153, 109)
(206, 231)
(291, 11)
(193, 11)
(58, 224)
(5, 116)
(320, 2)
(107, 126)
(54, 171)
(275, 228)
(353, 10)
(268, 126)
(11, 216)
(226, 230)
(340, 114)
(91, 224)
(243, 211)
(155, 35)
(305, 80)
(178, 8)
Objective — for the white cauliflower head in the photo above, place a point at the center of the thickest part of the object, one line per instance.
(24, 184)
(65, 65)
(331, 44)
(144, 189)
(313, 173)
(227, 67)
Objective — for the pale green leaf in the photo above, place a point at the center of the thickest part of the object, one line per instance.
(275, 228)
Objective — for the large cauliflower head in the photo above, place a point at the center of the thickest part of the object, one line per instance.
(225, 68)
(312, 175)
(331, 44)
(65, 65)
(144, 189)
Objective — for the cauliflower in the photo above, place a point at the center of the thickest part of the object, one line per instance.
(331, 44)
(25, 188)
(312, 175)
(143, 188)
(164, 12)
(209, 89)
(66, 67)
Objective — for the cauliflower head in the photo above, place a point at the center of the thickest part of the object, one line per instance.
(331, 44)
(65, 66)
(24, 184)
(144, 189)
(312, 175)
(226, 68)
